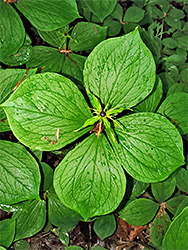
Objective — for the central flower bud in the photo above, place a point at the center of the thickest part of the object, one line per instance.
(102, 113)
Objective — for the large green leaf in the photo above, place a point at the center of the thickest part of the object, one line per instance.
(44, 104)
(175, 107)
(150, 147)
(177, 233)
(101, 9)
(49, 58)
(139, 212)
(120, 71)
(86, 36)
(7, 231)
(12, 31)
(30, 221)
(21, 56)
(48, 15)
(90, 179)
(20, 176)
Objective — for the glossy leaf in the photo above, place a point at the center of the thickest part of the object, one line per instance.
(105, 226)
(138, 188)
(133, 14)
(150, 147)
(10, 28)
(49, 15)
(101, 9)
(7, 231)
(64, 237)
(177, 233)
(182, 180)
(152, 101)
(120, 71)
(44, 104)
(175, 107)
(139, 212)
(20, 178)
(46, 176)
(21, 245)
(158, 229)
(60, 215)
(49, 58)
(163, 190)
(55, 37)
(30, 221)
(21, 56)
(90, 179)
(86, 36)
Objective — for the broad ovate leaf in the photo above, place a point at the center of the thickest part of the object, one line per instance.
(7, 231)
(45, 111)
(150, 147)
(120, 71)
(48, 15)
(101, 9)
(12, 31)
(90, 179)
(177, 233)
(20, 176)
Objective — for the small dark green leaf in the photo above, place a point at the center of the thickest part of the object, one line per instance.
(182, 42)
(152, 101)
(86, 36)
(49, 15)
(177, 233)
(175, 107)
(114, 26)
(74, 248)
(43, 104)
(12, 31)
(64, 237)
(105, 226)
(169, 42)
(101, 9)
(181, 206)
(138, 188)
(120, 71)
(30, 221)
(172, 204)
(7, 231)
(159, 228)
(60, 215)
(49, 58)
(139, 212)
(182, 180)
(21, 56)
(178, 87)
(37, 154)
(46, 176)
(164, 189)
(21, 245)
(90, 179)
(150, 147)
(133, 14)
(117, 12)
(20, 176)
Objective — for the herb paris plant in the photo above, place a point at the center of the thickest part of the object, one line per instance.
(119, 73)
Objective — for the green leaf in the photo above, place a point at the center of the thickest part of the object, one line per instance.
(182, 205)
(114, 26)
(7, 231)
(139, 212)
(20, 178)
(2, 248)
(182, 180)
(150, 147)
(30, 221)
(43, 104)
(172, 204)
(73, 67)
(159, 228)
(46, 176)
(60, 215)
(120, 71)
(90, 179)
(138, 188)
(55, 37)
(177, 233)
(73, 248)
(14, 207)
(152, 101)
(64, 237)
(163, 190)
(101, 9)
(175, 107)
(21, 56)
(182, 42)
(117, 12)
(49, 15)
(105, 226)
(49, 57)
(178, 87)
(169, 42)
(134, 14)
(21, 245)
(86, 36)
(10, 28)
